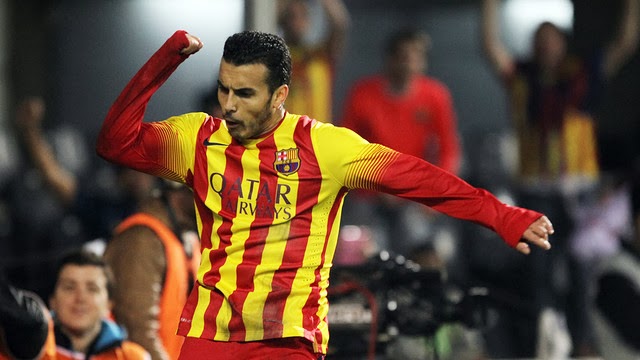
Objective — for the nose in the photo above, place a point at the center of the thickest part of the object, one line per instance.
(81, 295)
(229, 103)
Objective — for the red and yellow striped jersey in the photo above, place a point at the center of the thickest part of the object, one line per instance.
(269, 210)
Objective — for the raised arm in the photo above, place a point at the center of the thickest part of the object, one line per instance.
(500, 58)
(29, 118)
(123, 127)
(625, 42)
(338, 20)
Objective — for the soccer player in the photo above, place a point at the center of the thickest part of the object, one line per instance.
(268, 189)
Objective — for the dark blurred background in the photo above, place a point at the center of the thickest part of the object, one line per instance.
(78, 55)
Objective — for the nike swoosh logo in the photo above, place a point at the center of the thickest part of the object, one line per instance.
(211, 143)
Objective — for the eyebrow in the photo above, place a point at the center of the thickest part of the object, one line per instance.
(240, 90)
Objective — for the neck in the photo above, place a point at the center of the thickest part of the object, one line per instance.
(399, 85)
(80, 342)
(276, 117)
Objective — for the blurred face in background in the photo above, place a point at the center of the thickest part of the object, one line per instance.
(180, 198)
(550, 45)
(80, 299)
(407, 59)
(295, 21)
(136, 184)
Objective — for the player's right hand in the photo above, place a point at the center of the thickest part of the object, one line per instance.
(194, 45)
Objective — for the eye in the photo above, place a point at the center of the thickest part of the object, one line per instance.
(245, 93)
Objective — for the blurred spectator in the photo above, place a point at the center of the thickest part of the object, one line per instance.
(81, 305)
(403, 108)
(553, 96)
(78, 200)
(36, 216)
(59, 179)
(24, 322)
(313, 59)
(68, 186)
(618, 293)
(408, 111)
(154, 255)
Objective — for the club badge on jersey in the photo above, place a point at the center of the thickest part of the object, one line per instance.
(287, 161)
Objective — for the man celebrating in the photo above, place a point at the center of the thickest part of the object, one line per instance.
(268, 189)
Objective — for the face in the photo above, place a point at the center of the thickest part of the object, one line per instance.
(80, 298)
(410, 59)
(249, 108)
(550, 45)
(296, 21)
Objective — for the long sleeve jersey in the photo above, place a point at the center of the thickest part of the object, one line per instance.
(268, 211)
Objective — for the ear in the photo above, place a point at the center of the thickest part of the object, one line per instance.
(279, 96)
(108, 311)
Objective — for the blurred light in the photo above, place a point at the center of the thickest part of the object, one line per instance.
(194, 16)
(522, 17)
(211, 21)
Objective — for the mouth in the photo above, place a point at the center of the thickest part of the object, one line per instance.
(232, 123)
(79, 312)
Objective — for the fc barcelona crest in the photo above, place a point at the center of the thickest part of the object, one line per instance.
(287, 161)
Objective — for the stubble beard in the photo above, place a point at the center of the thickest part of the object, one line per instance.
(245, 133)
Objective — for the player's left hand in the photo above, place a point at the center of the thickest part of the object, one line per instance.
(537, 234)
(194, 45)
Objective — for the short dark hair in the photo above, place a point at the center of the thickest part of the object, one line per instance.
(82, 257)
(255, 47)
(402, 36)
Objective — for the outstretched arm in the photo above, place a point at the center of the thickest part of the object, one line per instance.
(362, 165)
(414, 179)
(625, 43)
(498, 55)
(29, 118)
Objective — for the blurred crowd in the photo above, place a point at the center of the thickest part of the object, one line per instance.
(574, 301)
